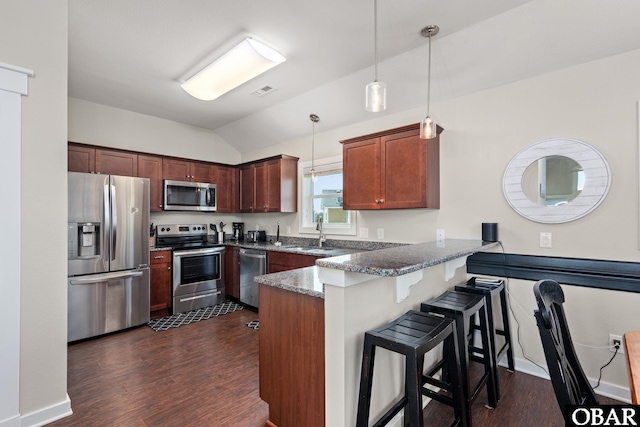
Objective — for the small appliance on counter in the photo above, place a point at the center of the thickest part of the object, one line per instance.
(238, 231)
(256, 236)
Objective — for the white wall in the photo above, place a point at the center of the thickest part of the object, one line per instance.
(91, 123)
(593, 102)
(34, 35)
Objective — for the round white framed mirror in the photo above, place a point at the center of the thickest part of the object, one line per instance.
(556, 180)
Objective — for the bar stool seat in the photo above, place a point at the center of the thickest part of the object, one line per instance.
(489, 289)
(461, 306)
(413, 334)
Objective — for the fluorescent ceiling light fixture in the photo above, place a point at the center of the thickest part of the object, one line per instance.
(245, 61)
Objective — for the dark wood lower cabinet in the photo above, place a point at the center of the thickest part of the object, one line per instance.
(232, 271)
(292, 357)
(283, 261)
(160, 295)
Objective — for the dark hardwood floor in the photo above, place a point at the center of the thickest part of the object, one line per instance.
(202, 374)
(206, 374)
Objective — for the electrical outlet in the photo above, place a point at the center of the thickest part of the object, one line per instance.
(545, 239)
(440, 234)
(364, 232)
(380, 233)
(616, 340)
(288, 229)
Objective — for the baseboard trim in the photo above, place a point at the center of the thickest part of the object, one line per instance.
(47, 415)
(605, 389)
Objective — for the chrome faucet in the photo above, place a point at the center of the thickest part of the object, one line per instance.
(321, 237)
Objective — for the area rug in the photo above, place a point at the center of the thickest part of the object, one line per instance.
(254, 324)
(181, 319)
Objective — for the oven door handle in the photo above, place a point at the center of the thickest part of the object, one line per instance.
(210, 251)
(200, 296)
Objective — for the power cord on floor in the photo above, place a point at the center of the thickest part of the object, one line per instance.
(511, 300)
(617, 347)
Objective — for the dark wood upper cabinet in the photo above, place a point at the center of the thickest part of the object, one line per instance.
(87, 159)
(270, 185)
(81, 159)
(111, 162)
(184, 170)
(151, 167)
(226, 188)
(394, 169)
(247, 187)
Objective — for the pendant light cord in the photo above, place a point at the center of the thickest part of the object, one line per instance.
(429, 77)
(313, 142)
(375, 38)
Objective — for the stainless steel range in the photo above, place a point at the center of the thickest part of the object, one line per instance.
(198, 266)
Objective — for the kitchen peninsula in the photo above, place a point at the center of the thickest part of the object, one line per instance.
(312, 323)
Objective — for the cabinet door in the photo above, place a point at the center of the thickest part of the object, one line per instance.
(110, 162)
(160, 283)
(247, 184)
(201, 172)
(404, 170)
(273, 190)
(223, 177)
(174, 169)
(361, 174)
(283, 261)
(151, 167)
(81, 159)
(260, 197)
(232, 271)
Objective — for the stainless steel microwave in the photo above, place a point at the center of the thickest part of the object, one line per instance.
(189, 196)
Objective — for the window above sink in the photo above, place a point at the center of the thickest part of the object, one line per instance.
(323, 199)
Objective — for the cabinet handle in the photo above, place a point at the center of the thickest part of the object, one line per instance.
(381, 201)
(168, 268)
(159, 206)
(159, 257)
(377, 201)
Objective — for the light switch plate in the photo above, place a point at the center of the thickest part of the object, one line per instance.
(440, 234)
(545, 239)
(380, 233)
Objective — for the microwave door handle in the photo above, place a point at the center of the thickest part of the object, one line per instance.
(206, 197)
(114, 222)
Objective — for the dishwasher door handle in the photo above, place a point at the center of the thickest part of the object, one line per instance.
(261, 256)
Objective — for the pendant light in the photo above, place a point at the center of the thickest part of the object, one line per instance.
(314, 119)
(428, 124)
(376, 92)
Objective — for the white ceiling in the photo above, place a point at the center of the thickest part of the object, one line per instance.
(132, 54)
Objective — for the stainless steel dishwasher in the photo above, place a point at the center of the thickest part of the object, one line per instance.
(253, 262)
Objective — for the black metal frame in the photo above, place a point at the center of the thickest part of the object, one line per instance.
(570, 383)
(593, 273)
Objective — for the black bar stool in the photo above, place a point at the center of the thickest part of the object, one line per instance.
(413, 334)
(461, 306)
(488, 289)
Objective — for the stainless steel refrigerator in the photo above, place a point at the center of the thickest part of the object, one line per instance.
(108, 253)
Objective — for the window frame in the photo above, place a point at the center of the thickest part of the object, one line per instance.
(306, 200)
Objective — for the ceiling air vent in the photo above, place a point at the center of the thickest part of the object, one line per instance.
(263, 91)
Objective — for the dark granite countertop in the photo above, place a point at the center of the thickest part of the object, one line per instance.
(389, 262)
(327, 251)
(301, 280)
(402, 260)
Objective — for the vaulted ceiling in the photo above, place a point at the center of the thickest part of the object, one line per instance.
(133, 54)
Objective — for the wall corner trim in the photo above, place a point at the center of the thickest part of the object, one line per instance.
(14, 78)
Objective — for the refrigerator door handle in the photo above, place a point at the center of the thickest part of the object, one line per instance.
(114, 221)
(108, 277)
